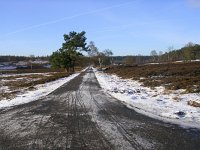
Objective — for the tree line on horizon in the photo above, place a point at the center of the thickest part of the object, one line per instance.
(12, 58)
(187, 53)
(71, 54)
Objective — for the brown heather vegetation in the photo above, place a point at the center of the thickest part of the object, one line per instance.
(20, 80)
(173, 76)
(20, 71)
(35, 79)
(27, 82)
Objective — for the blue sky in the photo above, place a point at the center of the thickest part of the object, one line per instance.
(127, 27)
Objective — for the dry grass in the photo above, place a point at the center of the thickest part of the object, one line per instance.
(20, 83)
(13, 82)
(22, 71)
(172, 76)
(194, 103)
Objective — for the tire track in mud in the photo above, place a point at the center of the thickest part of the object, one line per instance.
(98, 132)
(116, 121)
(14, 138)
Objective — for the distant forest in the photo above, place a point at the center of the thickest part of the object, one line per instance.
(189, 52)
(21, 58)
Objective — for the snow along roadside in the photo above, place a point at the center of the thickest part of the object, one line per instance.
(153, 103)
(41, 90)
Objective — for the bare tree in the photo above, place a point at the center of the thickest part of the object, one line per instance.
(108, 53)
(93, 50)
(154, 54)
(100, 62)
(170, 48)
(93, 53)
(189, 44)
(160, 55)
(31, 60)
(101, 58)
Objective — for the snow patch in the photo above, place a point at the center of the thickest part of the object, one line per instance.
(41, 90)
(171, 107)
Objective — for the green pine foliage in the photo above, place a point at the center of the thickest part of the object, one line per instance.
(67, 56)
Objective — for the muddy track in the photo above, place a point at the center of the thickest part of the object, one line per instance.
(79, 115)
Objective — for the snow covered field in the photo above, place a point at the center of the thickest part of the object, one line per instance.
(169, 106)
(40, 91)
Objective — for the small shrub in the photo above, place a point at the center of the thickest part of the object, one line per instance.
(194, 103)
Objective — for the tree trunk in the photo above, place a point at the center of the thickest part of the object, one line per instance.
(73, 66)
(67, 69)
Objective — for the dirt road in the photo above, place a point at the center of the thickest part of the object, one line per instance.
(79, 115)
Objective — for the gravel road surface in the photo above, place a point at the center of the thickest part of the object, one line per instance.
(79, 115)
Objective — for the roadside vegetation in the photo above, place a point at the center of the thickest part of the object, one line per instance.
(13, 84)
(19, 81)
(172, 76)
(20, 71)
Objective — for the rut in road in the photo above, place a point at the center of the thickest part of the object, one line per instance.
(114, 119)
